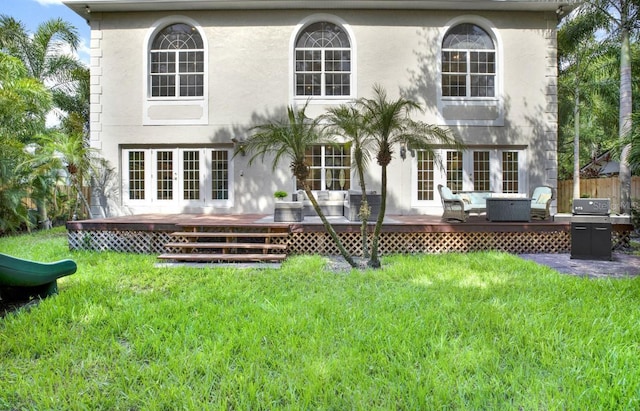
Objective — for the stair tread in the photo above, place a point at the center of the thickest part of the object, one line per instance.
(257, 246)
(201, 234)
(224, 257)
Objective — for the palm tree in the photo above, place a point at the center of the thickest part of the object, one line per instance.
(67, 151)
(348, 122)
(290, 139)
(24, 102)
(622, 18)
(44, 53)
(389, 123)
(13, 211)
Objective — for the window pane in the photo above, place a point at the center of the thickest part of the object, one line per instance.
(330, 167)
(323, 35)
(454, 62)
(425, 175)
(191, 175)
(467, 36)
(191, 62)
(454, 170)
(164, 175)
(191, 85)
(308, 84)
(481, 174)
(162, 86)
(136, 175)
(454, 86)
(337, 85)
(509, 172)
(219, 175)
(482, 86)
(177, 36)
(163, 62)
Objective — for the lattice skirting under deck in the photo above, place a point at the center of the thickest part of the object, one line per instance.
(406, 243)
(152, 242)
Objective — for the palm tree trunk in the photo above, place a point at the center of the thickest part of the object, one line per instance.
(44, 221)
(364, 213)
(625, 117)
(329, 227)
(374, 261)
(576, 143)
(82, 197)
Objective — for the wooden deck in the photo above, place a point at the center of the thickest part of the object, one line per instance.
(155, 233)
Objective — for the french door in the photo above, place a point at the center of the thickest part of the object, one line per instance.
(500, 171)
(177, 177)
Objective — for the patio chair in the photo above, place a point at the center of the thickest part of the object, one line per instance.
(540, 202)
(454, 208)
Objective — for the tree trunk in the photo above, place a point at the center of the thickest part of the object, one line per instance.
(374, 261)
(576, 142)
(329, 227)
(364, 213)
(44, 222)
(625, 115)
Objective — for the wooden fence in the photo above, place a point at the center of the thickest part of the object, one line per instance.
(596, 188)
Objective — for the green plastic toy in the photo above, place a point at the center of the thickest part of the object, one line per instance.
(21, 278)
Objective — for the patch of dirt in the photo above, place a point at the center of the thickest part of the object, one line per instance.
(12, 306)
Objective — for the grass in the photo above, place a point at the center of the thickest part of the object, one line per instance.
(475, 331)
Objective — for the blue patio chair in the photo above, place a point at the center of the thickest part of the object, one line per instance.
(540, 202)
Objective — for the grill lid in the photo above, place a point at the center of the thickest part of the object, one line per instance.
(591, 206)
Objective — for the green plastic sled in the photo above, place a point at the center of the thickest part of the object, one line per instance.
(20, 278)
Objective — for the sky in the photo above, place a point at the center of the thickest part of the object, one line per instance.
(34, 12)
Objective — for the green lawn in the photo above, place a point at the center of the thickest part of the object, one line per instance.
(475, 331)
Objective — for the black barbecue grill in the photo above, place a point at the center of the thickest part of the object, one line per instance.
(591, 229)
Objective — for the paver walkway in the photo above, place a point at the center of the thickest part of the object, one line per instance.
(622, 266)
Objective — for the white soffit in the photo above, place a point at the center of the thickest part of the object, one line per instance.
(84, 7)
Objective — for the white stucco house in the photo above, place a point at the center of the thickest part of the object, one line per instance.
(176, 85)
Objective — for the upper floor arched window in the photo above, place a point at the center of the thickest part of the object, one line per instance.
(322, 61)
(176, 66)
(468, 62)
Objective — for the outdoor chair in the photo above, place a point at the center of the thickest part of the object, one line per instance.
(540, 202)
(454, 208)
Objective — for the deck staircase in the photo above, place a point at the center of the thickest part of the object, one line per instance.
(226, 245)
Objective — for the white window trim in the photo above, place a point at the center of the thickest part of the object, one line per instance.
(495, 161)
(497, 101)
(316, 18)
(201, 101)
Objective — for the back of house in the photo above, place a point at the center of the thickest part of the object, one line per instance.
(176, 87)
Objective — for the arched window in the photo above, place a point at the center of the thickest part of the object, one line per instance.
(177, 62)
(468, 62)
(323, 61)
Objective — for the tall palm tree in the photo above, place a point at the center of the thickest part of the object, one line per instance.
(290, 139)
(622, 20)
(389, 123)
(348, 122)
(24, 102)
(45, 52)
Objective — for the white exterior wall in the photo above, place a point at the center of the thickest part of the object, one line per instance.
(249, 65)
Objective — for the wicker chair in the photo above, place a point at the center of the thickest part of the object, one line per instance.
(540, 202)
(454, 208)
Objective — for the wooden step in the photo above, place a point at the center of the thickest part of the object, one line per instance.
(245, 246)
(202, 234)
(223, 257)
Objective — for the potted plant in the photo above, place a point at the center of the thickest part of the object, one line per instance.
(280, 195)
